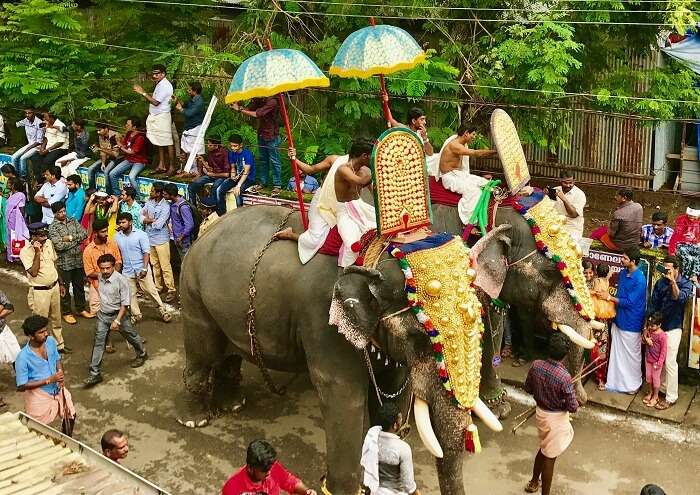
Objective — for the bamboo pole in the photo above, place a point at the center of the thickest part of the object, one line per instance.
(382, 89)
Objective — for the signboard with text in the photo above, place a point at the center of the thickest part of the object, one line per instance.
(143, 184)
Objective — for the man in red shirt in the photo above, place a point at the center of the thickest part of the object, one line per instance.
(263, 474)
(135, 150)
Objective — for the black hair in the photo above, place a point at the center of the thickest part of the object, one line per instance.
(57, 206)
(8, 169)
(99, 224)
(130, 191)
(659, 216)
(80, 122)
(387, 415)
(633, 254)
(75, 179)
(260, 455)
(136, 122)
(602, 270)
(651, 489)
(566, 173)
(30, 109)
(32, 324)
(107, 441)
(625, 193)
(655, 318)
(101, 125)
(160, 68)
(466, 127)
(213, 139)
(158, 186)
(106, 258)
(586, 265)
(16, 183)
(558, 346)
(413, 114)
(674, 260)
(235, 138)
(171, 189)
(50, 114)
(196, 86)
(361, 146)
(125, 215)
(55, 171)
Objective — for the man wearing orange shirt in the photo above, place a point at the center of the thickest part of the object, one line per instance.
(100, 245)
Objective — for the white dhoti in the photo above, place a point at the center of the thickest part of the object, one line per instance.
(313, 237)
(158, 129)
(189, 140)
(469, 186)
(625, 361)
(354, 219)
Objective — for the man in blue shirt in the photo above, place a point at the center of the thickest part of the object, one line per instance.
(39, 374)
(625, 362)
(75, 202)
(309, 184)
(669, 297)
(135, 250)
(154, 216)
(242, 176)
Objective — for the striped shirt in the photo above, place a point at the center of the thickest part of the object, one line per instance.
(657, 241)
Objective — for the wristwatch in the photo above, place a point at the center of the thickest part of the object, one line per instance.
(117, 322)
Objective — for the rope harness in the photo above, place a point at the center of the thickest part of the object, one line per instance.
(256, 349)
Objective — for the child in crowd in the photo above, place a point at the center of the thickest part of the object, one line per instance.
(604, 311)
(655, 339)
(588, 273)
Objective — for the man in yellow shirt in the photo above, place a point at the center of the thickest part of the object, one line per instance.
(207, 207)
(45, 286)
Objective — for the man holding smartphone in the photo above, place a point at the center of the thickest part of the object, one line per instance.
(570, 202)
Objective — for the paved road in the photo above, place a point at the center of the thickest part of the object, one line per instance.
(611, 454)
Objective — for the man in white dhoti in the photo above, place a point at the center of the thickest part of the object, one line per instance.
(453, 170)
(159, 121)
(324, 205)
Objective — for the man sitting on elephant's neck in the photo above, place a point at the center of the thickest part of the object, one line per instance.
(323, 212)
(455, 176)
(263, 473)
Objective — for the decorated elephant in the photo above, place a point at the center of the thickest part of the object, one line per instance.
(216, 293)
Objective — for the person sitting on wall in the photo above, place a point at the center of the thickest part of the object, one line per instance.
(657, 234)
(625, 225)
(309, 184)
(685, 241)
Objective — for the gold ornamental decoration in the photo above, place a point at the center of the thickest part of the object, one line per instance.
(510, 150)
(400, 182)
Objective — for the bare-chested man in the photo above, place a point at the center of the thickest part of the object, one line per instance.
(338, 197)
(454, 169)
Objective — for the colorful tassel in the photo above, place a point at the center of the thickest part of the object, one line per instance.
(473, 439)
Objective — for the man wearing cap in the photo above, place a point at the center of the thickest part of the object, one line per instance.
(207, 207)
(159, 121)
(45, 286)
(66, 234)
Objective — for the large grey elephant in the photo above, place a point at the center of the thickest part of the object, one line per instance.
(292, 329)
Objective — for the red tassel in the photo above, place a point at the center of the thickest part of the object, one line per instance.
(356, 247)
(469, 442)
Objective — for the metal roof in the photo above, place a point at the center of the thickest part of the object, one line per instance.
(36, 459)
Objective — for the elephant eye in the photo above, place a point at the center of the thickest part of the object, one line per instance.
(350, 302)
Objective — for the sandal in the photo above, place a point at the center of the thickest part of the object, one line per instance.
(518, 362)
(254, 189)
(109, 349)
(506, 352)
(663, 405)
(275, 191)
(601, 386)
(646, 399)
(652, 403)
(532, 486)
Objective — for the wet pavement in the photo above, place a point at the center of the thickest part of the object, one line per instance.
(612, 452)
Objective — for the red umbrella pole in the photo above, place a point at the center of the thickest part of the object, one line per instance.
(382, 90)
(293, 161)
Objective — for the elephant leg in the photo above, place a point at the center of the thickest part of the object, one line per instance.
(227, 394)
(342, 389)
(449, 470)
(491, 389)
(205, 345)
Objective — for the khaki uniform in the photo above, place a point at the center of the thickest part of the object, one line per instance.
(44, 302)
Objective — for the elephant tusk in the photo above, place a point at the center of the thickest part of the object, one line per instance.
(575, 337)
(485, 414)
(597, 325)
(425, 429)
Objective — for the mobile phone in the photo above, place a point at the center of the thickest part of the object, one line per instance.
(552, 193)
(661, 268)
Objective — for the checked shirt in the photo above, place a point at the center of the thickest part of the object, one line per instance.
(550, 383)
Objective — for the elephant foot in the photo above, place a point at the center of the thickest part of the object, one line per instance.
(193, 411)
(499, 405)
(229, 401)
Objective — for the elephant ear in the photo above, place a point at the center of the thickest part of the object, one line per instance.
(354, 307)
(489, 255)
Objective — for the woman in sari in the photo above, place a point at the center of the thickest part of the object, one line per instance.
(8, 172)
(15, 225)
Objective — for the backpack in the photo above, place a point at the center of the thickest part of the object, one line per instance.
(196, 217)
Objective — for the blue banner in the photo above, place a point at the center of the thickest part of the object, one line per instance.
(143, 184)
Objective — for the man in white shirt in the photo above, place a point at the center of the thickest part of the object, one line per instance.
(35, 136)
(159, 121)
(54, 146)
(51, 192)
(570, 202)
